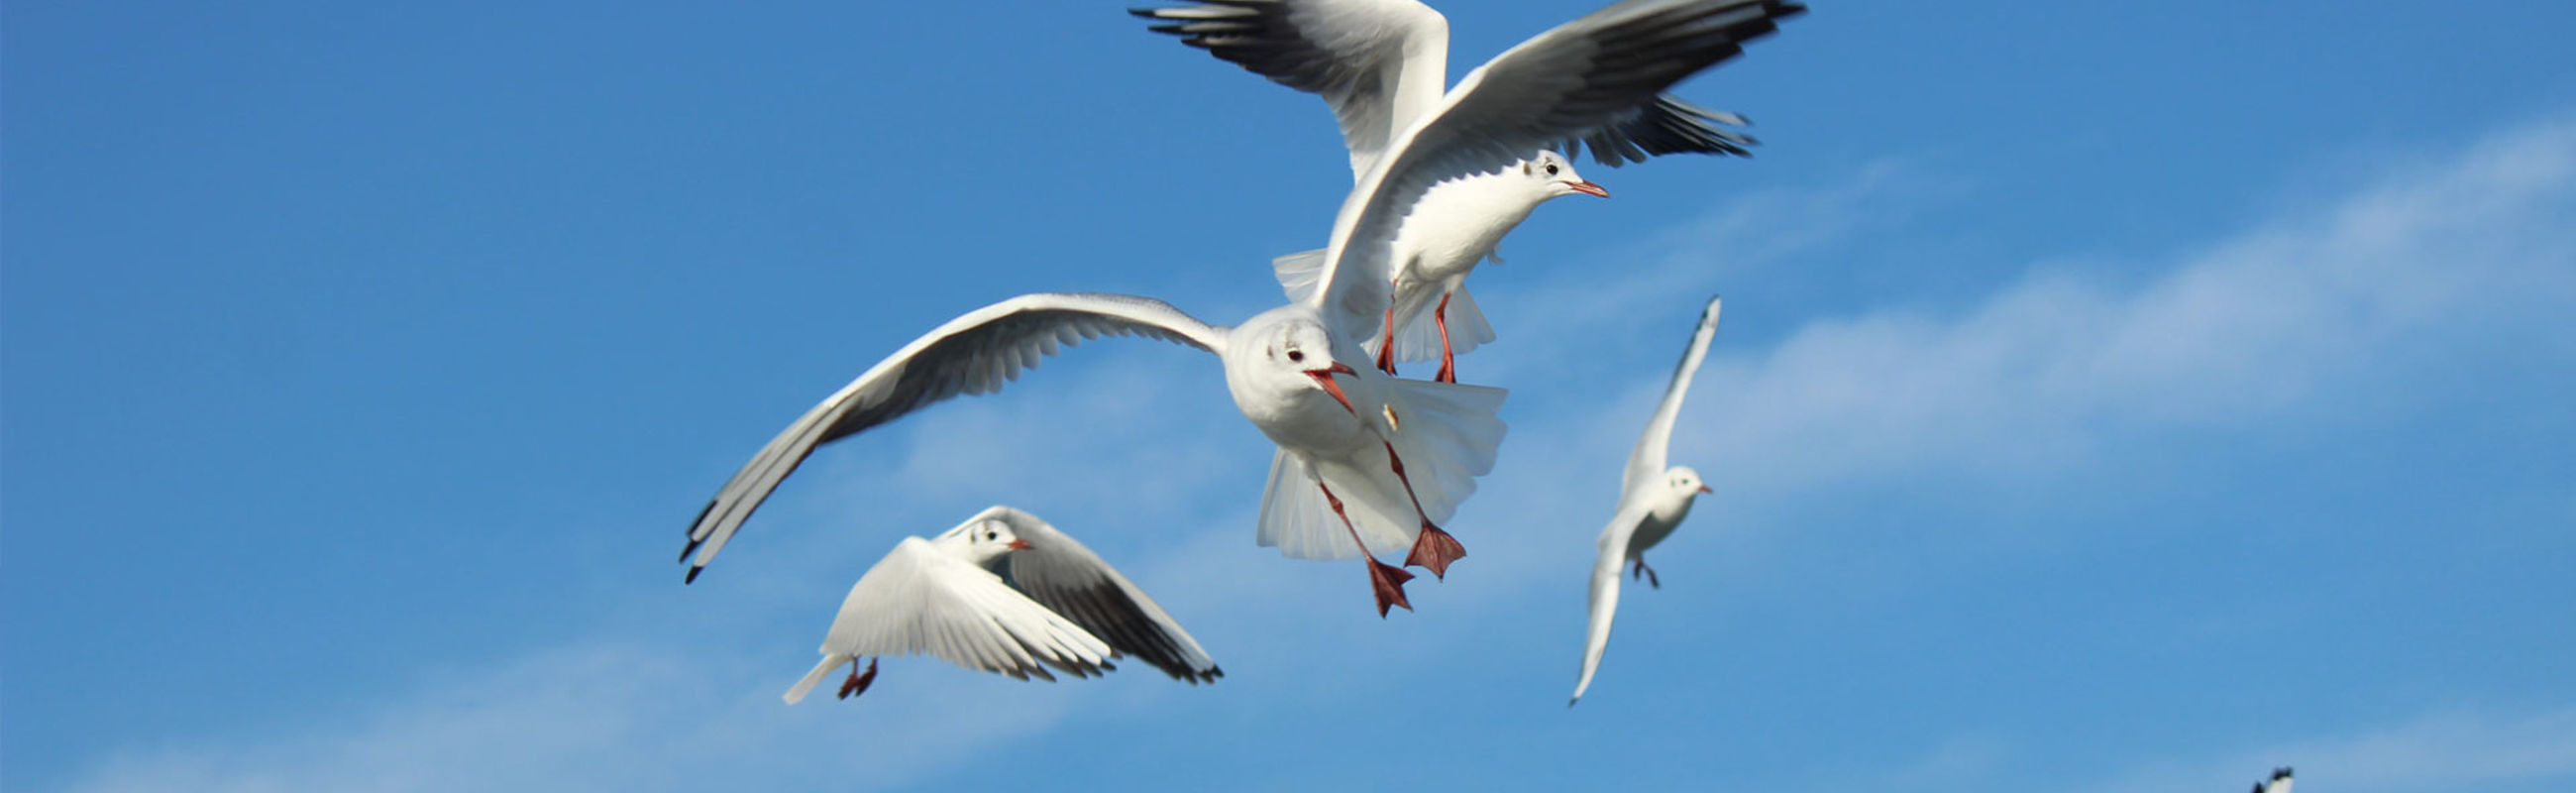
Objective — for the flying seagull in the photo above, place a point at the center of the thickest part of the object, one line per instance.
(1653, 499)
(1381, 65)
(1003, 592)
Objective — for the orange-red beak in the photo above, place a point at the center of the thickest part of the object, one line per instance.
(1324, 377)
(1704, 489)
(1588, 188)
(1018, 544)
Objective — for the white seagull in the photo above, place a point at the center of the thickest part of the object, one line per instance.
(1653, 500)
(1003, 592)
(1381, 66)
(1398, 454)
(2279, 783)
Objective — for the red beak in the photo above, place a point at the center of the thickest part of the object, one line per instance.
(1704, 489)
(1022, 545)
(1588, 188)
(1324, 377)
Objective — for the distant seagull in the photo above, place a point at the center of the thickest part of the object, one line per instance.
(1381, 64)
(1348, 432)
(2279, 783)
(1652, 502)
(1052, 603)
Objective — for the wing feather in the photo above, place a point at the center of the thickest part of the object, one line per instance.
(1648, 461)
(1603, 603)
(1378, 63)
(920, 600)
(972, 354)
(1062, 574)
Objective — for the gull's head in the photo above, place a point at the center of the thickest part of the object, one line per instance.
(1298, 354)
(1683, 483)
(983, 540)
(1551, 175)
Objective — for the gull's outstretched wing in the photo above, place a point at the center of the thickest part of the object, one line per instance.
(1667, 125)
(1060, 573)
(1604, 600)
(973, 354)
(1647, 462)
(920, 600)
(1378, 63)
(1565, 84)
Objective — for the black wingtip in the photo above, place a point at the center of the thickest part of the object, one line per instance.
(693, 576)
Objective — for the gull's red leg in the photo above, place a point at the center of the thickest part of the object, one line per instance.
(1448, 362)
(1433, 549)
(1386, 580)
(858, 683)
(1386, 350)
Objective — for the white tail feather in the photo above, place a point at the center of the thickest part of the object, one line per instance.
(1418, 337)
(822, 670)
(1297, 520)
(1298, 273)
(1447, 434)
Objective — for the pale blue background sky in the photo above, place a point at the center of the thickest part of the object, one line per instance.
(2111, 397)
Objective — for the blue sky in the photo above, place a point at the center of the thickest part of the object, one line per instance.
(2111, 397)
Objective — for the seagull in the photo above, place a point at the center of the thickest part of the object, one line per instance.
(2279, 783)
(1380, 66)
(1653, 499)
(1397, 455)
(1003, 592)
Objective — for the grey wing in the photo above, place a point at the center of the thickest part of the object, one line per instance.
(919, 600)
(1649, 459)
(1060, 573)
(1561, 85)
(1611, 552)
(972, 354)
(1377, 63)
(1667, 125)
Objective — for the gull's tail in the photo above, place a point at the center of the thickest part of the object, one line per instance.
(1417, 336)
(1447, 435)
(1298, 272)
(821, 670)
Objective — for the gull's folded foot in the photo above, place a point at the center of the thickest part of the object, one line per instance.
(1388, 580)
(858, 683)
(1433, 550)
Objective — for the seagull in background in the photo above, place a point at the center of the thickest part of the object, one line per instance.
(2279, 783)
(1003, 592)
(1381, 66)
(1653, 500)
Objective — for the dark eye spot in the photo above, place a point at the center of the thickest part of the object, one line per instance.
(1551, 169)
(991, 536)
(1297, 355)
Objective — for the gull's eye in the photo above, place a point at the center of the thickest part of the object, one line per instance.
(1297, 356)
(991, 536)
(1551, 169)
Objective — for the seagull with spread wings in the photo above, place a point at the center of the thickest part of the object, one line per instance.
(1653, 499)
(1003, 592)
(1381, 65)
